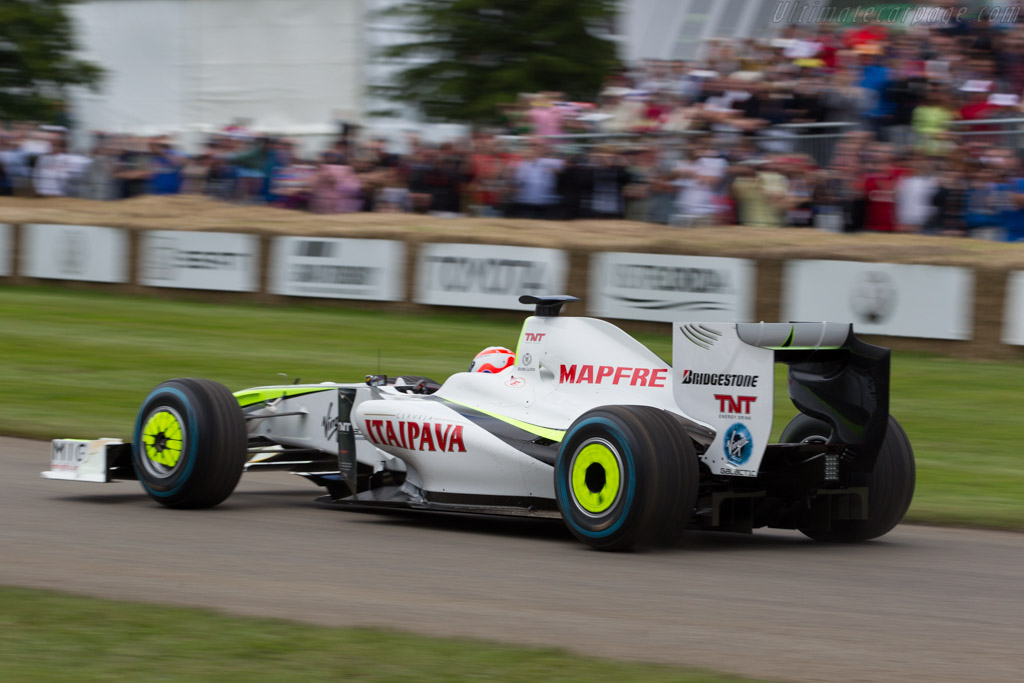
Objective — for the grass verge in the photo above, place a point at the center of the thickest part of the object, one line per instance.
(78, 364)
(47, 636)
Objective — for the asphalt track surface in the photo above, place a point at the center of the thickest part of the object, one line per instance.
(922, 604)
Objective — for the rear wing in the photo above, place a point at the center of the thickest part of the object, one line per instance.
(724, 375)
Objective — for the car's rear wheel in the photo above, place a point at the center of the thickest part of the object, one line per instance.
(189, 444)
(890, 484)
(626, 478)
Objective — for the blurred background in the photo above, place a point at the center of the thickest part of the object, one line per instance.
(839, 116)
(245, 189)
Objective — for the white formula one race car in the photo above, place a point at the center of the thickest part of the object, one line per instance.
(587, 425)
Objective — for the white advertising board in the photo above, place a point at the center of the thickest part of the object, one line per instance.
(74, 252)
(200, 260)
(487, 276)
(338, 268)
(932, 302)
(667, 288)
(6, 250)
(1013, 315)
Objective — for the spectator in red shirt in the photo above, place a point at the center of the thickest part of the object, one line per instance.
(487, 169)
(865, 34)
(880, 189)
(977, 105)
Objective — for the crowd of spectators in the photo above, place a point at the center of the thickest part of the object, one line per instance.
(726, 139)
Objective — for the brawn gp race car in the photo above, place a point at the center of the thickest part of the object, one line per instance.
(587, 425)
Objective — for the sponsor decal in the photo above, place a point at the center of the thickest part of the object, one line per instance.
(489, 275)
(6, 249)
(718, 379)
(1013, 311)
(74, 253)
(738, 472)
(328, 273)
(532, 337)
(681, 280)
(168, 258)
(416, 435)
(515, 382)
(882, 298)
(332, 424)
(338, 268)
(68, 455)
(671, 287)
(700, 335)
(671, 279)
(86, 253)
(524, 363)
(618, 375)
(486, 276)
(200, 260)
(873, 296)
(738, 444)
(734, 406)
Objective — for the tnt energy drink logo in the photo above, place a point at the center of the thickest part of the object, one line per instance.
(737, 407)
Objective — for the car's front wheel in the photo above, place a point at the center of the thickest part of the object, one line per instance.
(189, 444)
(626, 477)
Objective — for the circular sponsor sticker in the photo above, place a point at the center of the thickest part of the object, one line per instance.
(738, 444)
(874, 296)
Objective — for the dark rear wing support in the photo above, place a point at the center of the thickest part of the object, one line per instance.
(547, 306)
(833, 376)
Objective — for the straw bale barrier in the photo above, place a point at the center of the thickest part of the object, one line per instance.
(769, 248)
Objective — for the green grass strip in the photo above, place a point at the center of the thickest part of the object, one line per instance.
(46, 636)
(77, 364)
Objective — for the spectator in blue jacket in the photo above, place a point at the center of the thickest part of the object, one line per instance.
(1013, 217)
(875, 77)
(166, 165)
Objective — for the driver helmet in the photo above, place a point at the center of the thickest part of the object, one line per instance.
(493, 359)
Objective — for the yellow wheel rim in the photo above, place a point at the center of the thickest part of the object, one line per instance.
(161, 437)
(596, 476)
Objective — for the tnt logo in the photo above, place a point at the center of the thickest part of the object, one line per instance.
(734, 405)
(535, 336)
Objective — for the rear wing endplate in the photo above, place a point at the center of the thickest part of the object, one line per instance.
(724, 375)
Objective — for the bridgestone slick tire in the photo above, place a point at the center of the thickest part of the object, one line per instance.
(189, 444)
(626, 478)
(890, 485)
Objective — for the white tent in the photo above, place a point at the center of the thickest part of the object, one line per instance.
(187, 67)
(298, 67)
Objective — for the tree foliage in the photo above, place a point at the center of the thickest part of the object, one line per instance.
(37, 60)
(471, 55)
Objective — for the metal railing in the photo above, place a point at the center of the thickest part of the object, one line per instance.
(1007, 133)
(817, 140)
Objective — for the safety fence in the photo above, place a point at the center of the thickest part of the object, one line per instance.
(1002, 133)
(816, 140)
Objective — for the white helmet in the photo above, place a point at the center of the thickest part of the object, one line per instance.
(493, 359)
